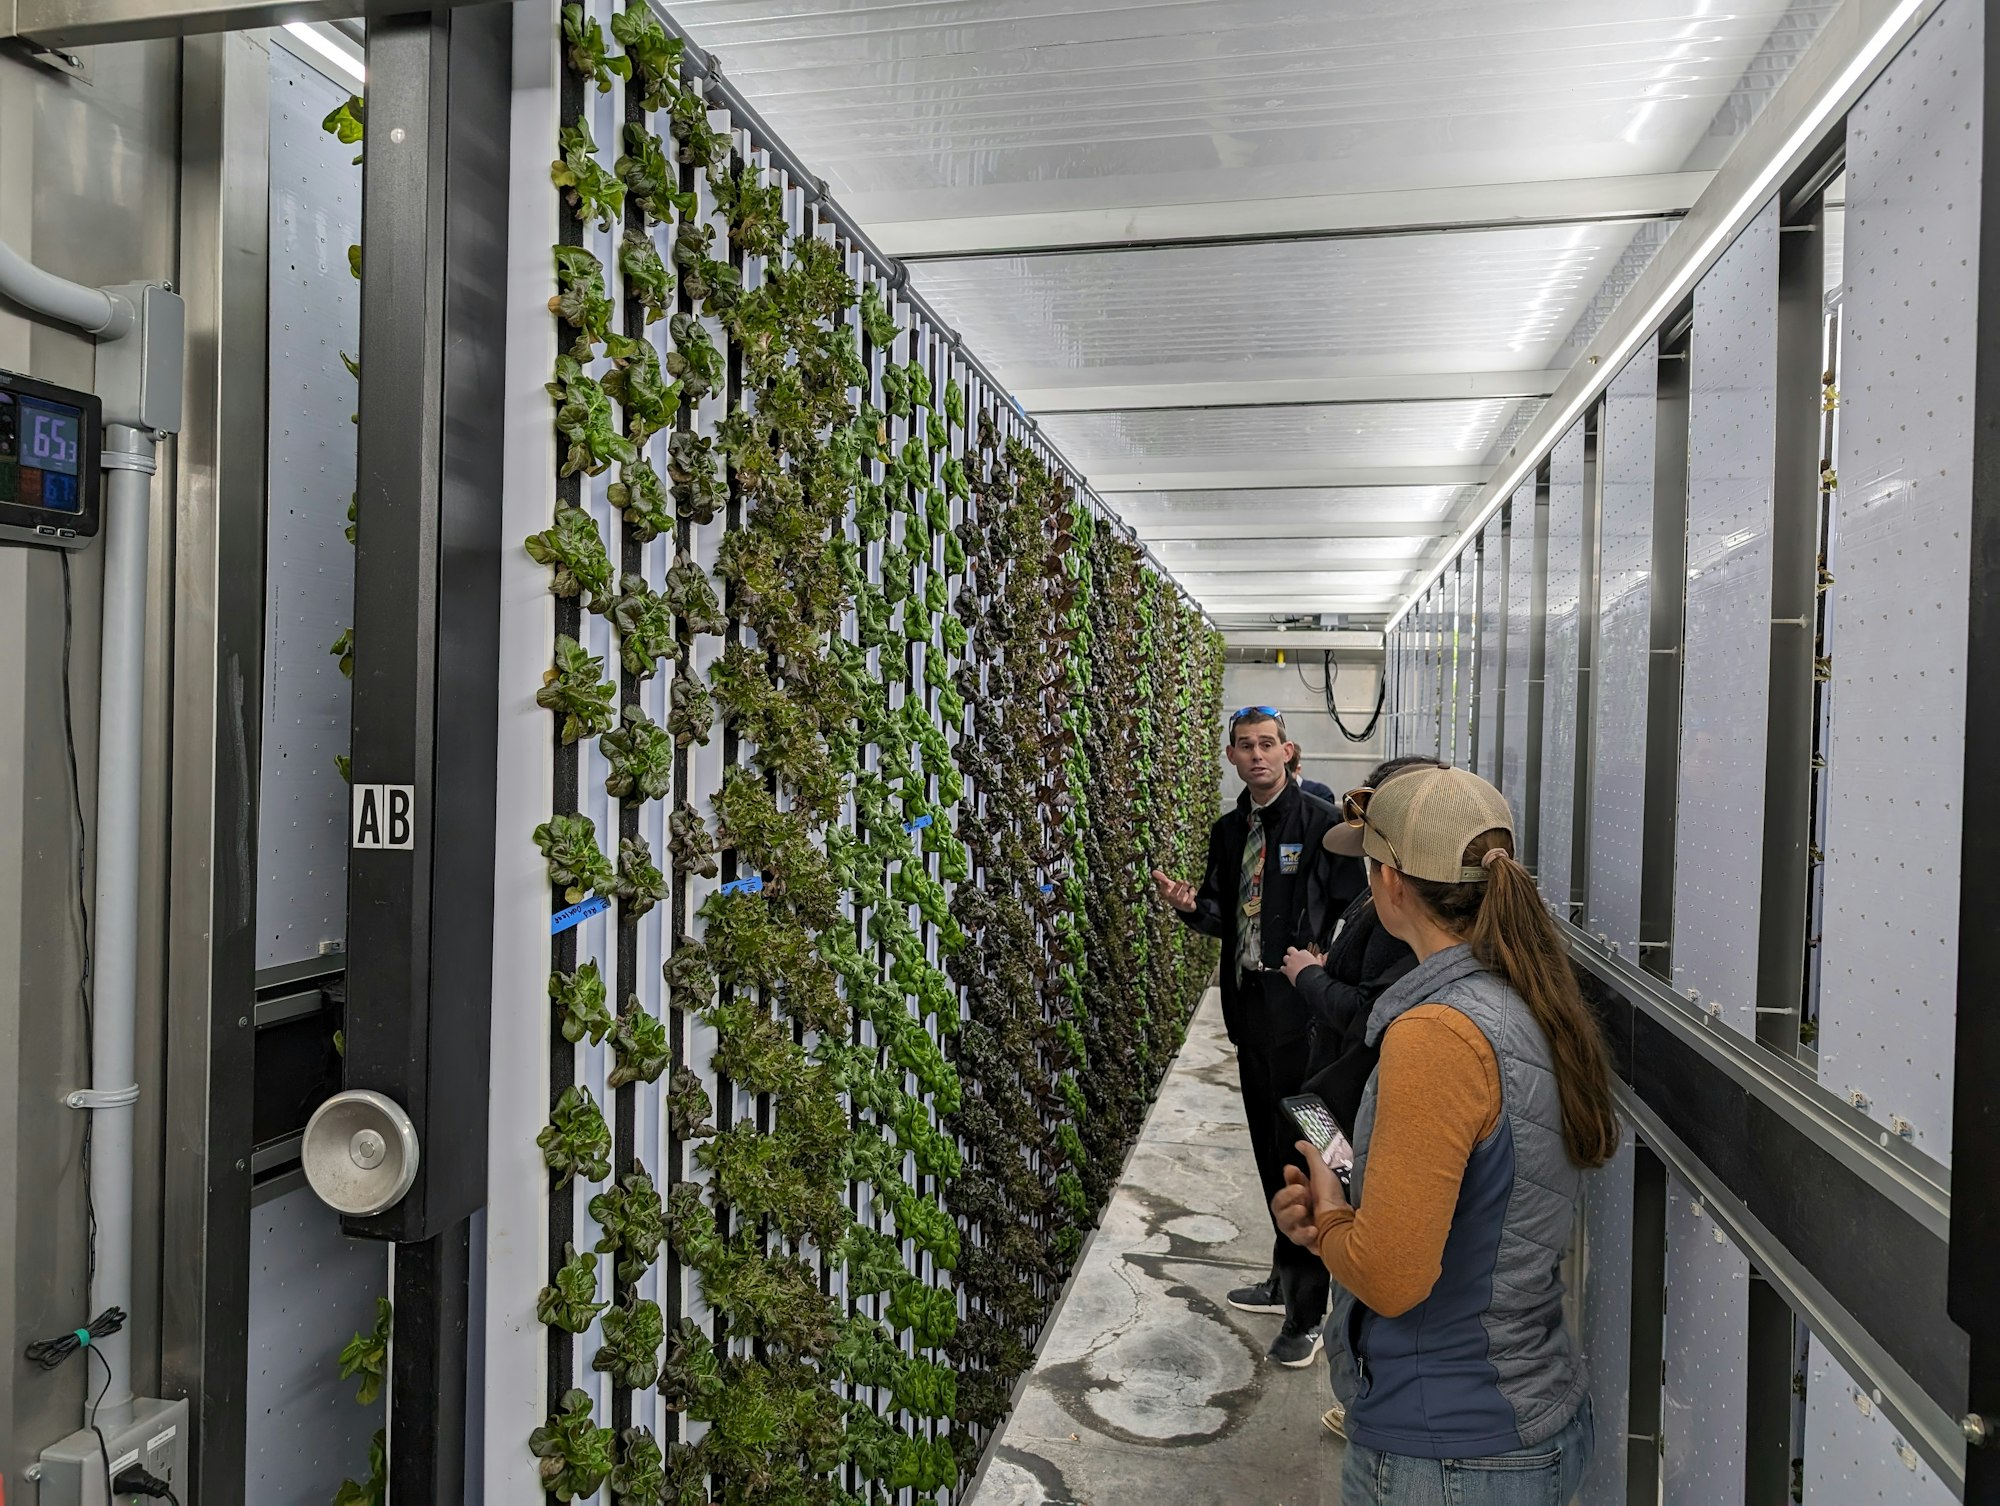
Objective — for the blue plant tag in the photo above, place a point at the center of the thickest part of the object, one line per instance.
(1048, 888)
(576, 915)
(1288, 856)
(754, 884)
(917, 825)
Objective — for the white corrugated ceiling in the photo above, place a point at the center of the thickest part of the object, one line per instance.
(1283, 278)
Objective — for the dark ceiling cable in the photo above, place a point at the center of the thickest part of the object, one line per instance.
(1331, 670)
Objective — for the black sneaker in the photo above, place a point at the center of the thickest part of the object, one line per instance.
(1295, 1347)
(1264, 1297)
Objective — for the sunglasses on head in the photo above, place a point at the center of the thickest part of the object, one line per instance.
(1256, 713)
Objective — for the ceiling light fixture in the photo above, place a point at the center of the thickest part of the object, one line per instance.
(1831, 103)
(327, 48)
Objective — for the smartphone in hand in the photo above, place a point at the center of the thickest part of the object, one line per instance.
(1315, 1121)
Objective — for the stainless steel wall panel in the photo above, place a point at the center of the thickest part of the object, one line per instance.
(1895, 765)
(1708, 1316)
(1732, 442)
(1559, 698)
(315, 214)
(1618, 783)
(1464, 663)
(310, 1289)
(1853, 1453)
(1520, 625)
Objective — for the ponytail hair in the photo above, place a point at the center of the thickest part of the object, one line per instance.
(1510, 933)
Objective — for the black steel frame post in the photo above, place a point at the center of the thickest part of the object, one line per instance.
(1643, 1406)
(1973, 1294)
(1664, 659)
(1788, 747)
(426, 630)
(1587, 603)
(1772, 1352)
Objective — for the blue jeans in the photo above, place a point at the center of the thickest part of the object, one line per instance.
(1548, 1474)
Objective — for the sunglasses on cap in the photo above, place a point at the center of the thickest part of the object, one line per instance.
(1354, 811)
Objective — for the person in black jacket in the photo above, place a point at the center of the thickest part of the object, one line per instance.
(1252, 896)
(1340, 969)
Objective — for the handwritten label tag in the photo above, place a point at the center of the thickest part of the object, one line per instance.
(917, 825)
(754, 884)
(576, 915)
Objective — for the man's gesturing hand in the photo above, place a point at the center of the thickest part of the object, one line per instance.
(1176, 892)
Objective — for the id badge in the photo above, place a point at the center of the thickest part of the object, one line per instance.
(1288, 856)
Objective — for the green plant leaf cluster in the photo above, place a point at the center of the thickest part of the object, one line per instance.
(581, 301)
(634, 1331)
(576, 1455)
(698, 491)
(640, 884)
(643, 499)
(754, 209)
(575, 690)
(374, 1491)
(588, 54)
(640, 753)
(585, 419)
(632, 1221)
(570, 1301)
(651, 181)
(876, 321)
(576, 1141)
(692, 598)
(655, 56)
(692, 713)
(367, 1355)
(574, 549)
(640, 1044)
(580, 1003)
(577, 865)
(645, 624)
(593, 190)
(650, 401)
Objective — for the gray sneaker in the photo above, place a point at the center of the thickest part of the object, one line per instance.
(1264, 1297)
(1296, 1347)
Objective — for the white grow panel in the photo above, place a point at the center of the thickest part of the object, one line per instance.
(1624, 638)
(1895, 764)
(1726, 692)
(1559, 662)
(1853, 1454)
(1520, 623)
(1707, 1374)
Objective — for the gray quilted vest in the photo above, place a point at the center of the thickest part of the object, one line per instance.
(1483, 1365)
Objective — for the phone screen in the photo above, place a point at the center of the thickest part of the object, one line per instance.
(1315, 1122)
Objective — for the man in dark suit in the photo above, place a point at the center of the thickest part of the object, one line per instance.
(1251, 896)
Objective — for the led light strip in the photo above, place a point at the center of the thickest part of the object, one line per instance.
(325, 47)
(1833, 103)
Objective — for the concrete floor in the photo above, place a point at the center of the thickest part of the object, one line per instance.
(1151, 1388)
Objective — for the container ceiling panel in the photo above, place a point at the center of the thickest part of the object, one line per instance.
(1484, 301)
(967, 106)
(1369, 434)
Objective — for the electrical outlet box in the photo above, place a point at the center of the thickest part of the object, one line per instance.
(73, 1473)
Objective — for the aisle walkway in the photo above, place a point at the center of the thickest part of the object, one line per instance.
(1152, 1389)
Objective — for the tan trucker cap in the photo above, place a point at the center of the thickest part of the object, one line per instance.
(1423, 822)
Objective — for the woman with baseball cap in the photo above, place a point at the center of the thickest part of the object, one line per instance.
(1491, 1099)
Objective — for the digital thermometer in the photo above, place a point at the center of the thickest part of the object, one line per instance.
(51, 447)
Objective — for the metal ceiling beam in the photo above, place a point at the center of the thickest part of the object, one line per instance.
(1353, 639)
(1274, 558)
(1857, 42)
(1350, 216)
(1302, 473)
(63, 24)
(1195, 388)
(1176, 530)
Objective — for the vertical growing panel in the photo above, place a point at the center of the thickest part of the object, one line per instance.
(1708, 1317)
(1895, 764)
(1559, 699)
(1618, 791)
(837, 803)
(1520, 631)
(1731, 452)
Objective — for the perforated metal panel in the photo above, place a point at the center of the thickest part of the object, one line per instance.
(1559, 698)
(1895, 764)
(1465, 659)
(1605, 1333)
(1520, 623)
(1618, 685)
(1853, 1454)
(1706, 1388)
(1491, 623)
(311, 1289)
(315, 314)
(1724, 719)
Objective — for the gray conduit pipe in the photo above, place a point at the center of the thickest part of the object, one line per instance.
(112, 1098)
(91, 310)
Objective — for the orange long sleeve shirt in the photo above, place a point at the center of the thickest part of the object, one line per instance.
(1437, 1097)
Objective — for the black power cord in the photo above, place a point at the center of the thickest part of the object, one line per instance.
(139, 1482)
(1330, 669)
(49, 1353)
(84, 977)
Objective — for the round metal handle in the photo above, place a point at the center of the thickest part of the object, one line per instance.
(360, 1152)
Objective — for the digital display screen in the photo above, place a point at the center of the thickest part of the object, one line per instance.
(41, 446)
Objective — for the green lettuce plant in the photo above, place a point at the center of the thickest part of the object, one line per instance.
(576, 1142)
(580, 1003)
(581, 301)
(692, 598)
(367, 1355)
(648, 281)
(655, 56)
(693, 710)
(642, 498)
(575, 690)
(639, 1479)
(691, 843)
(570, 1301)
(645, 624)
(576, 1455)
(640, 885)
(694, 361)
(593, 190)
(640, 1045)
(630, 1353)
(576, 864)
(588, 54)
(650, 180)
(697, 485)
(584, 418)
(574, 549)
(651, 403)
(641, 757)
(633, 1223)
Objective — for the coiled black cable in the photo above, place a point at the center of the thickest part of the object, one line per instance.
(49, 1353)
